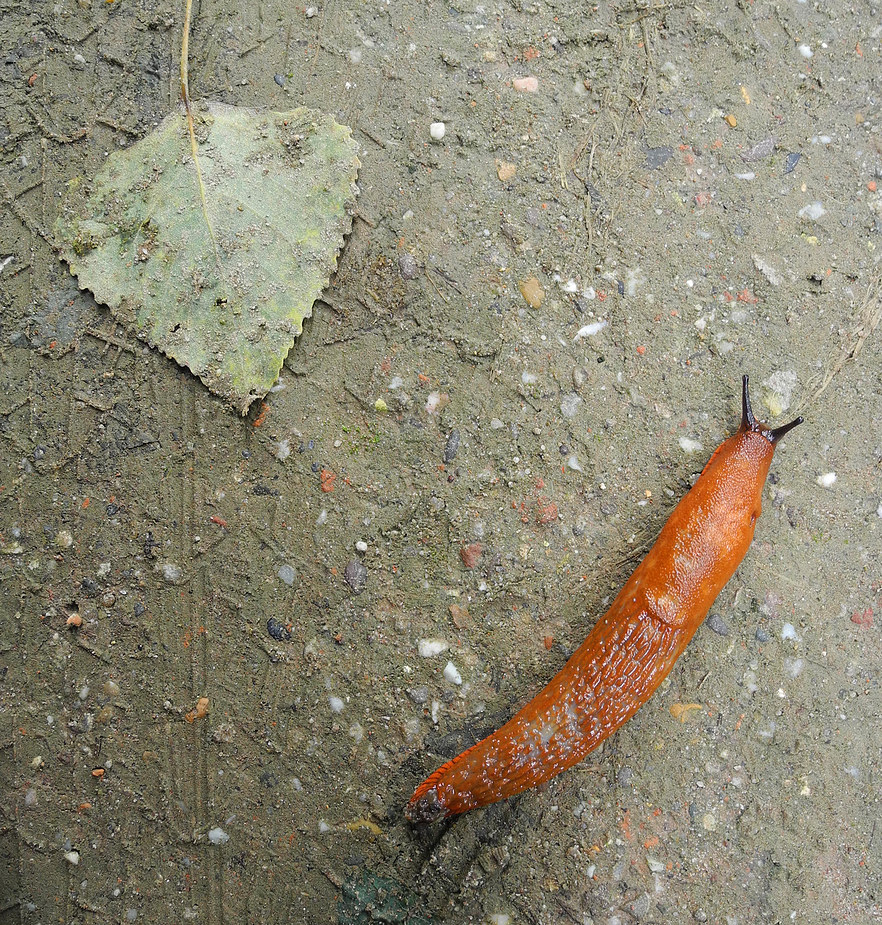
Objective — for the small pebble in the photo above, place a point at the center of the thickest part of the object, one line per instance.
(532, 291)
(827, 479)
(336, 704)
(589, 330)
(505, 171)
(287, 574)
(361, 546)
(688, 445)
(761, 635)
(72, 857)
(791, 161)
(526, 84)
(277, 630)
(450, 450)
(431, 647)
(381, 406)
(64, 539)
(451, 674)
(279, 79)
(716, 623)
(569, 405)
(470, 554)
(437, 130)
(418, 694)
(805, 50)
(788, 631)
(813, 211)
(217, 836)
(408, 266)
(356, 574)
(171, 572)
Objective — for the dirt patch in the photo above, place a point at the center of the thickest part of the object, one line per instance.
(571, 279)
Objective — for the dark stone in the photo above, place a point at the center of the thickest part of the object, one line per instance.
(356, 575)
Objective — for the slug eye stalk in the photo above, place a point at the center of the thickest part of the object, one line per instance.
(749, 422)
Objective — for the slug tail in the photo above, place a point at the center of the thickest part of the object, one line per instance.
(435, 798)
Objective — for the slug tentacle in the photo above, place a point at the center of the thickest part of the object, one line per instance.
(632, 647)
(750, 423)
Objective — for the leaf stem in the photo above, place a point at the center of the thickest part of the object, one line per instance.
(185, 96)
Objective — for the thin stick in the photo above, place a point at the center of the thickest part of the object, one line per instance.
(185, 96)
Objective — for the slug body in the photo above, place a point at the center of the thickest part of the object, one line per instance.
(632, 647)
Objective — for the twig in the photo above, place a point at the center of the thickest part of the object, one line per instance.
(185, 96)
(870, 316)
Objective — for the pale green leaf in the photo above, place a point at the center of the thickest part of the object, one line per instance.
(222, 279)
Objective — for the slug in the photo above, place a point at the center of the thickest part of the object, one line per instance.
(632, 647)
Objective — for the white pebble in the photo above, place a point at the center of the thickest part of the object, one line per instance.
(827, 479)
(72, 857)
(361, 546)
(749, 175)
(496, 424)
(171, 572)
(570, 405)
(571, 286)
(805, 50)
(499, 918)
(437, 130)
(451, 674)
(336, 704)
(429, 647)
(217, 836)
(589, 330)
(322, 518)
(323, 827)
(433, 402)
(526, 84)
(793, 666)
(64, 539)
(283, 449)
(879, 510)
(688, 445)
(287, 574)
(781, 384)
(788, 631)
(574, 464)
(813, 211)
(529, 378)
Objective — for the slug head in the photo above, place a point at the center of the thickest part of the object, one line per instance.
(750, 423)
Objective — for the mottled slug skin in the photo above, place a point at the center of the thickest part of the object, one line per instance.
(632, 647)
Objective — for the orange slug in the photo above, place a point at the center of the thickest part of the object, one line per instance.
(633, 646)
